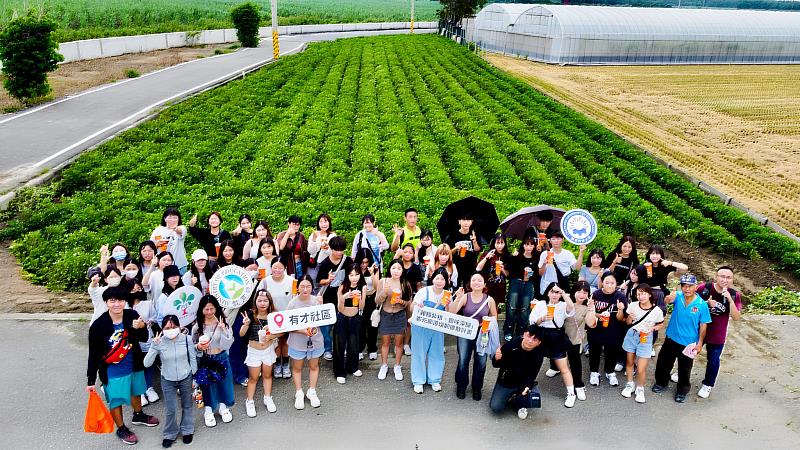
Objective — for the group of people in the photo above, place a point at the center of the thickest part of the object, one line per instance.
(614, 308)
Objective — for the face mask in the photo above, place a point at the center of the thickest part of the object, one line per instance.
(113, 282)
(119, 256)
(131, 274)
(172, 333)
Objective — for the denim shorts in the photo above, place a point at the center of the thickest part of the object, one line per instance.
(310, 354)
(632, 344)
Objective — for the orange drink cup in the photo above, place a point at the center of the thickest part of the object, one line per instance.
(485, 324)
(294, 286)
(540, 242)
(446, 296)
(395, 298)
(462, 251)
(649, 267)
(426, 260)
(356, 298)
(642, 337)
(498, 267)
(550, 257)
(262, 273)
(551, 311)
(605, 320)
(216, 246)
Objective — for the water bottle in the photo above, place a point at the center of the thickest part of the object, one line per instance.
(484, 340)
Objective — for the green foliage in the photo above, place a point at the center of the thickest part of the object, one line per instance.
(776, 300)
(28, 52)
(131, 73)
(455, 10)
(363, 125)
(245, 19)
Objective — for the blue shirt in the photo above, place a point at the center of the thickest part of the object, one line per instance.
(124, 367)
(684, 325)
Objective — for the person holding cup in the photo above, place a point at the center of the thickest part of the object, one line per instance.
(293, 247)
(267, 254)
(200, 271)
(494, 265)
(519, 361)
(608, 304)
(352, 294)
(213, 338)
(318, 247)
(211, 236)
(282, 288)
(425, 249)
(305, 345)
(623, 259)
(251, 249)
(557, 264)
(551, 316)
(153, 280)
(442, 258)
(475, 304)
(368, 336)
(522, 279)
(427, 346)
(644, 317)
(261, 355)
(465, 249)
(393, 294)
(170, 237)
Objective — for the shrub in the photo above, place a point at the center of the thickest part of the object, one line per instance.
(131, 73)
(246, 18)
(28, 52)
(776, 300)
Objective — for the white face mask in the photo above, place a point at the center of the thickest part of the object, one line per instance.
(113, 282)
(172, 333)
(131, 274)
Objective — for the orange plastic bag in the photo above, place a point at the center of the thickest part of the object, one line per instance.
(98, 418)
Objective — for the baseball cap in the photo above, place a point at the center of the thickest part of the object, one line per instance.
(199, 254)
(688, 278)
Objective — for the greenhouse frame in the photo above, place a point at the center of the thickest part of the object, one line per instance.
(587, 35)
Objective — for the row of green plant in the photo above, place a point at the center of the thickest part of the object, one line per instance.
(775, 300)
(347, 127)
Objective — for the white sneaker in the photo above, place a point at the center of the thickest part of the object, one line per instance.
(328, 356)
(269, 404)
(653, 353)
(277, 371)
(299, 403)
(208, 416)
(594, 379)
(581, 393)
(398, 373)
(244, 383)
(407, 350)
(436, 387)
(152, 395)
(551, 373)
(144, 400)
(618, 367)
(704, 391)
(570, 401)
(358, 373)
(225, 413)
(250, 408)
(341, 380)
(629, 387)
(373, 356)
(361, 356)
(418, 388)
(287, 372)
(312, 397)
(382, 372)
(639, 394)
(674, 377)
(522, 413)
(612, 379)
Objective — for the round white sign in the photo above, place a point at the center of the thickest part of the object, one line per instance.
(231, 285)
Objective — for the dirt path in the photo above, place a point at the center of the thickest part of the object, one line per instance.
(78, 76)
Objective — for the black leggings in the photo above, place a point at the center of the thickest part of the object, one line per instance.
(368, 337)
(595, 348)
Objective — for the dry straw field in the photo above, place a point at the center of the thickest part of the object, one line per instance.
(735, 127)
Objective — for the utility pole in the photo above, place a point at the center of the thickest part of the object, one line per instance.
(276, 51)
(412, 16)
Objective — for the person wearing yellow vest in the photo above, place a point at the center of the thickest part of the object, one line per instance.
(409, 234)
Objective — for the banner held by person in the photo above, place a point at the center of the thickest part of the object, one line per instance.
(302, 318)
(445, 322)
(231, 286)
(183, 303)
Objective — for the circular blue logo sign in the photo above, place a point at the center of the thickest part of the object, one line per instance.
(578, 227)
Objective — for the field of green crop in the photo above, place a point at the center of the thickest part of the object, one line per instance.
(87, 19)
(366, 125)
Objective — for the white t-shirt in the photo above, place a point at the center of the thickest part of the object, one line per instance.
(281, 292)
(655, 317)
(559, 315)
(427, 294)
(155, 284)
(175, 244)
(564, 260)
(187, 280)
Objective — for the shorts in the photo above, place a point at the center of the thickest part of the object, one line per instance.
(301, 355)
(555, 343)
(632, 344)
(256, 358)
(120, 390)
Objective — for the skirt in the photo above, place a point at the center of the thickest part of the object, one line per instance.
(392, 323)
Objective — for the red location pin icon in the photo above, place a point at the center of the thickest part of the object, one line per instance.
(279, 320)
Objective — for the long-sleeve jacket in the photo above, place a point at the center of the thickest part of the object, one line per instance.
(518, 367)
(99, 333)
(178, 357)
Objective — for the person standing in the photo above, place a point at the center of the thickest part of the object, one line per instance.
(393, 293)
(281, 289)
(557, 264)
(170, 237)
(494, 266)
(465, 249)
(260, 350)
(293, 248)
(409, 234)
(623, 259)
(724, 303)
(605, 335)
(331, 275)
(686, 331)
(427, 346)
(113, 354)
(350, 311)
(211, 236)
(644, 317)
(371, 238)
(318, 247)
(213, 337)
(519, 361)
(305, 345)
(522, 279)
(178, 362)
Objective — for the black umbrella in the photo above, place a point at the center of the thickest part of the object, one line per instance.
(483, 214)
(514, 226)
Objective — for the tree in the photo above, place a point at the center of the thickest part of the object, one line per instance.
(28, 52)
(455, 10)
(245, 19)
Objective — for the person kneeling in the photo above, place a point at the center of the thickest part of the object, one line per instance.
(519, 362)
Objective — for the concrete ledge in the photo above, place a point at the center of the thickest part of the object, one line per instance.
(57, 317)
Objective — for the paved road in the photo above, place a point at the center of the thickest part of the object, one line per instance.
(42, 138)
(43, 404)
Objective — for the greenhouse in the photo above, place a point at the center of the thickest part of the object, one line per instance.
(563, 34)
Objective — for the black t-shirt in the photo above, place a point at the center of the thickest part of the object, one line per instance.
(659, 278)
(465, 265)
(518, 367)
(607, 302)
(488, 268)
(520, 262)
(326, 267)
(413, 275)
(623, 269)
